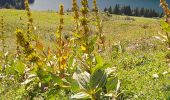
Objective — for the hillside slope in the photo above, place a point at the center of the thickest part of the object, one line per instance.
(138, 58)
(116, 28)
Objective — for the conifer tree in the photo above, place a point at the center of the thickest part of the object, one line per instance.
(136, 12)
(105, 9)
(116, 9)
(110, 10)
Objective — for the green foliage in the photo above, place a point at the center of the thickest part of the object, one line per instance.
(134, 68)
(18, 4)
(165, 26)
(47, 74)
(128, 10)
(97, 84)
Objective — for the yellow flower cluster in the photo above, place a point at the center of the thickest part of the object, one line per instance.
(165, 7)
(27, 47)
(2, 24)
(60, 27)
(61, 12)
(84, 24)
(75, 9)
(100, 34)
(96, 10)
(2, 34)
(30, 26)
(84, 20)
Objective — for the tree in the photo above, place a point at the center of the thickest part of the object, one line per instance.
(126, 10)
(18, 4)
(110, 10)
(154, 13)
(146, 13)
(142, 11)
(122, 10)
(136, 12)
(105, 9)
(116, 9)
(161, 14)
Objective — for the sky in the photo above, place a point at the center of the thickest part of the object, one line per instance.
(53, 4)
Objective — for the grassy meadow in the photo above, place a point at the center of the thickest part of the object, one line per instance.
(136, 57)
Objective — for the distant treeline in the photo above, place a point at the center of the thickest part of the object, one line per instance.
(17, 4)
(127, 10)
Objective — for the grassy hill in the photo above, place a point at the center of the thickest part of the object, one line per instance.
(116, 28)
(131, 48)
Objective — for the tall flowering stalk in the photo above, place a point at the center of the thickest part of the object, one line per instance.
(61, 54)
(30, 26)
(2, 34)
(99, 34)
(84, 20)
(165, 7)
(84, 23)
(88, 39)
(166, 26)
(3, 39)
(75, 9)
(60, 28)
(98, 21)
(75, 43)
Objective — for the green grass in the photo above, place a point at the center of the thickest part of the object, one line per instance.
(116, 28)
(142, 57)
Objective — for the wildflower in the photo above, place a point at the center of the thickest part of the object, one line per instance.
(100, 34)
(84, 19)
(39, 45)
(165, 7)
(62, 59)
(75, 9)
(167, 13)
(2, 34)
(96, 11)
(83, 48)
(84, 26)
(27, 47)
(30, 26)
(166, 10)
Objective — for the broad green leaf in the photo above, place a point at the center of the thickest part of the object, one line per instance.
(10, 70)
(83, 80)
(99, 60)
(98, 80)
(101, 67)
(81, 96)
(77, 35)
(111, 84)
(165, 26)
(52, 93)
(75, 86)
(43, 75)
(99, 64)
(92, 41)
(20, 67)
(57, 80)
